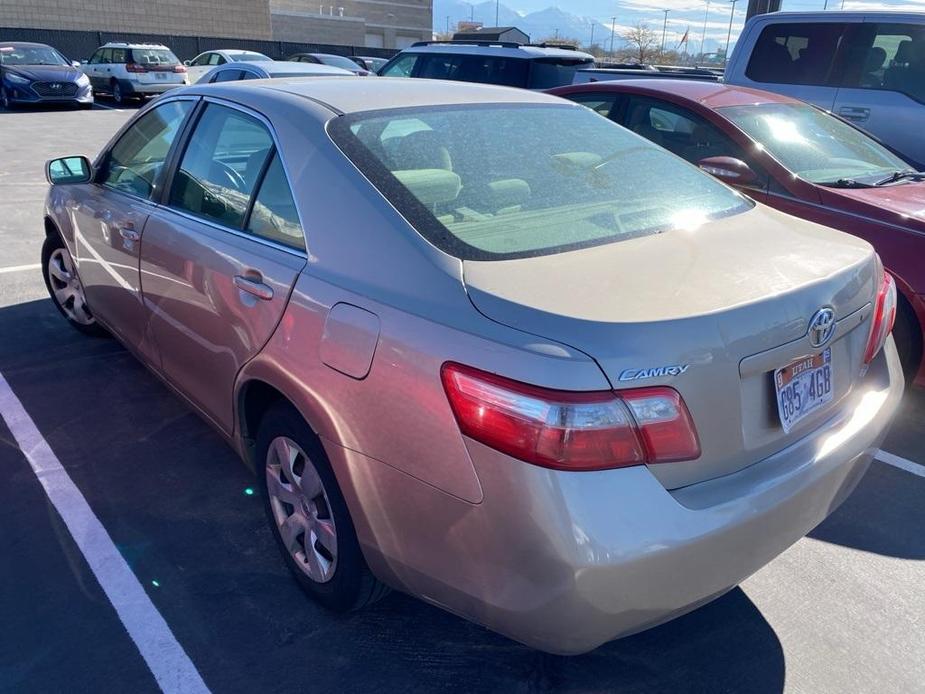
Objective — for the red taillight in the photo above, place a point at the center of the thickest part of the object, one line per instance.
(135, 67)
(883, 319)
(570, 430)
(179, 68)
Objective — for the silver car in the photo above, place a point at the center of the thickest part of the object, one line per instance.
(482, 345)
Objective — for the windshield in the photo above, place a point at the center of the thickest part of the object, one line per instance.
(526, 180)
(250, 57)
(338, 61)
(30, 55)
(154, 56)
(814, 145)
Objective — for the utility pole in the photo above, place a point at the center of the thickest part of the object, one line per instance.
(664, 30)
(592, 34)
(729, 35)
(703, 37)
(448, 24)
(613, 28)
(497, 10)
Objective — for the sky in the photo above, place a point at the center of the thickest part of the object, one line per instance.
(688, 15)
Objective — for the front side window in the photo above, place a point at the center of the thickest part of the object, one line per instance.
(202, 60)
(134, 164)
(528, 179)
(796, 54)
(402, 66)
(886, 56)
(221, 166)
(814, 145)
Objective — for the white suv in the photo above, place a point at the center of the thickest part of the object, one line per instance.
(134, 70)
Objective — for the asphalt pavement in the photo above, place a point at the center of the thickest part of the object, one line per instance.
(841, 611)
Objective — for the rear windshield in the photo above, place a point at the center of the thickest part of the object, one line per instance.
(250, 56)
(515, 180)
(338, 61)
(154, 56)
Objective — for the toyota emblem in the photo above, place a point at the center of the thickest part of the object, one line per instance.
(822, 326)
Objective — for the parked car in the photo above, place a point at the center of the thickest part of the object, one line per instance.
(866, 66)
(330, 59)
(204, 62)
(369, 62)
(33, 73)
(134, 70)
(794, 157)
(508, 64)
(594, 74)
(232, 72)
(483, 365)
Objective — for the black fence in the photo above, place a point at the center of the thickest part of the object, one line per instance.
(79, 45)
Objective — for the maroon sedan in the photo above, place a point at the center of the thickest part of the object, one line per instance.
(795, 157)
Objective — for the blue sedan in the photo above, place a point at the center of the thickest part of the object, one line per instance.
(33, 73)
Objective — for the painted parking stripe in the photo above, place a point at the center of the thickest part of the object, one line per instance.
(20, 268)
(168, 662)
(901, 463)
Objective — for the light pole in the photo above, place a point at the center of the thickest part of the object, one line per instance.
(729, 35)
(613, 28)
(592, 35)
(703, 37)
(664, 31)
(497, 10)
(448, 24)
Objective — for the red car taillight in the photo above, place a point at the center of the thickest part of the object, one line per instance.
(571, 430)
(883, 319)
(179, 68)
(135, 67)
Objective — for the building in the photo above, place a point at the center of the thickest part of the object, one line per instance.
(372, 23)
(499, 34)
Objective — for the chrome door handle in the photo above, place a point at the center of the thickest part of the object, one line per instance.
(129, 234)
(254, 287)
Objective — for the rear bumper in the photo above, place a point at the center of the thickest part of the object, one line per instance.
(136, 88)
(565, 561)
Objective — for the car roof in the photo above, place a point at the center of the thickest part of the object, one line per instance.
(122, 44)
(349, 94)
(501, 50)
(831, 15)
(25, 44)
(709, 94)
(282, 66)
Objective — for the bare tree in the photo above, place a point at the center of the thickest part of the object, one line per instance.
(643, 42)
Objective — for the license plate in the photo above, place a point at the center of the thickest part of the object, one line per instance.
(160, 75)
(803, 387)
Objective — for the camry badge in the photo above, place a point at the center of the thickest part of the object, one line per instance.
(653, 372)
(822, 326)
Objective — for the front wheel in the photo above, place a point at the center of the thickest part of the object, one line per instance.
(308, 514)
(5, 103)
(65, 289)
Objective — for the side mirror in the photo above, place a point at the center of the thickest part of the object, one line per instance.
(729, 170)
(187, 62)
(68, 170)
(75, 63)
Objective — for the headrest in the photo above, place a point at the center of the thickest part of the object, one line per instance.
(430, 186)
(422, 149)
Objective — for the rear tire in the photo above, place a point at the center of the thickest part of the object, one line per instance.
(308, 515)
(65, 289)
(5, 103)
(117, 94)
(907, 333)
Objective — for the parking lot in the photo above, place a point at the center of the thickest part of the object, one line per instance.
(841, 611)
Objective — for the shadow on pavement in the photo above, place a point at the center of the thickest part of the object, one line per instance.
(175, 501)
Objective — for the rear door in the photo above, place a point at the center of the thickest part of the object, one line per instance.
(883, 84)
(221, 255)
(109, 218)
(796, 59)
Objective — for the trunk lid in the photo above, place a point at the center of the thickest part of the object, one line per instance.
(731, 302)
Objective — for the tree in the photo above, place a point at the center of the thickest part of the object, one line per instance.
(643, 42)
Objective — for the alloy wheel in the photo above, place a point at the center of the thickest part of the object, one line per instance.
(300, 507)
(117, 93)
(67, 289)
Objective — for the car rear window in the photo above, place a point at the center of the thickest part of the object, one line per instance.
(154, 56)
(251, 57)
(500, 181)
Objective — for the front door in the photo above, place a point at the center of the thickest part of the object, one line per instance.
(109, 217)
(219, 260)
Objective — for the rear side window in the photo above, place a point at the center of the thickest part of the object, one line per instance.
(886, 56)
(134, 164)
(227, 76)
(546, 73)
(118, 56)
(599, 103)
(221, 166)
(486, 69)
(796, 54)
(274, 215)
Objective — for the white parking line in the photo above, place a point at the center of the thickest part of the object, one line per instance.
(166, 659)
(20, 268)
(108, 108)
(901, 463)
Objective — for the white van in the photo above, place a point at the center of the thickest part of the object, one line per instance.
(867, 67)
